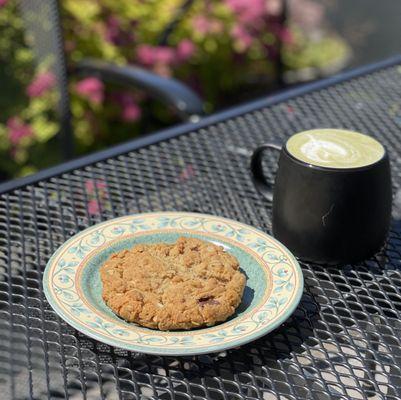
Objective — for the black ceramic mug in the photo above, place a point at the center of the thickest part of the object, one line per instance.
(330, 205)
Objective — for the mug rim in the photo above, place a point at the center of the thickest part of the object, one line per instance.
(334, 169)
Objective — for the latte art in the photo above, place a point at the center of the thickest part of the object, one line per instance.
(324, 151)
(335, 148)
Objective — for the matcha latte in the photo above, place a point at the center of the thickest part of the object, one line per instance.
(335, 148)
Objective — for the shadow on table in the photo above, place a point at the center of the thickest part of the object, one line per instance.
(363, 308)
(252, 367)
(348, 314)
(341, 337)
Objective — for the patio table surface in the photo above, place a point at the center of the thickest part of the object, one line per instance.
(342, 342)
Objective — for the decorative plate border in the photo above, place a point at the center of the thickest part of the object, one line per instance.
(80, 268)
(59, 283)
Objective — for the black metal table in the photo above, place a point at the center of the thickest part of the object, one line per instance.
(343, 341)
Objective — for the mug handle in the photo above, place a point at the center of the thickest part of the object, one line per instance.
(258, 177)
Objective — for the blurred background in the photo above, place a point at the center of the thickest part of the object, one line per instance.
(225, 51)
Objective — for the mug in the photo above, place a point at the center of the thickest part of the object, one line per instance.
(327, 214)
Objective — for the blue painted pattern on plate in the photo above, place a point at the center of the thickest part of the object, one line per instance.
(274, 282)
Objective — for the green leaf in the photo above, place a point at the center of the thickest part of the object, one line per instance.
(82, 10)
(120, 332)
(37, 106)
(217, 339)
(44, 129)
(282, 301)
(260, 317)
(239, 328)
(151, 340)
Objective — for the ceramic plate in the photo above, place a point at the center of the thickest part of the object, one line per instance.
(73, 288)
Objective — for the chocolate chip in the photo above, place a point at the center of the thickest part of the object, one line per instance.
(208, 300)
(202, 299)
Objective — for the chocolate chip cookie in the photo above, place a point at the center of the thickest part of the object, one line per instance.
(187, 284)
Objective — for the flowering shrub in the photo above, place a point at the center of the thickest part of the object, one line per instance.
(97, 196)
(217, 47)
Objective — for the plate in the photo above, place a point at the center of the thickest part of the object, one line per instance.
(73, 288)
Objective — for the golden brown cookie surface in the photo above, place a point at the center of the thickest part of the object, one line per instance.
(188, 284)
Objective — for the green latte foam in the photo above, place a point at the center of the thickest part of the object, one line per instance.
(335, 148)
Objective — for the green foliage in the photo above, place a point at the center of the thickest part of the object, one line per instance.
(216, 47)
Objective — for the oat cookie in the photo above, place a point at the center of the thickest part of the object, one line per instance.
(184, 285)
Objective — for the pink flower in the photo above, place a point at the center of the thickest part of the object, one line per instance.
(216, 26)
(91, 88)
(93, 207)
(145, 54)
(274, 7)
(185, 49)
(248, 11)
(18, 130)
(187, 173)
(131, 112)
(112, 29)
(96, 198)
(41, 84)
(150, 55)
(3, 3)
(160, 57)
(201, 24)
(242, 35)
(115, 34)
(164, 55)
(90, 185)
(205, 25)
(286, 35)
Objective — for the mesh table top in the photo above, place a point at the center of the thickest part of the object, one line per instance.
(344, 339)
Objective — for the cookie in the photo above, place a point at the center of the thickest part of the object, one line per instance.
(187, 284)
